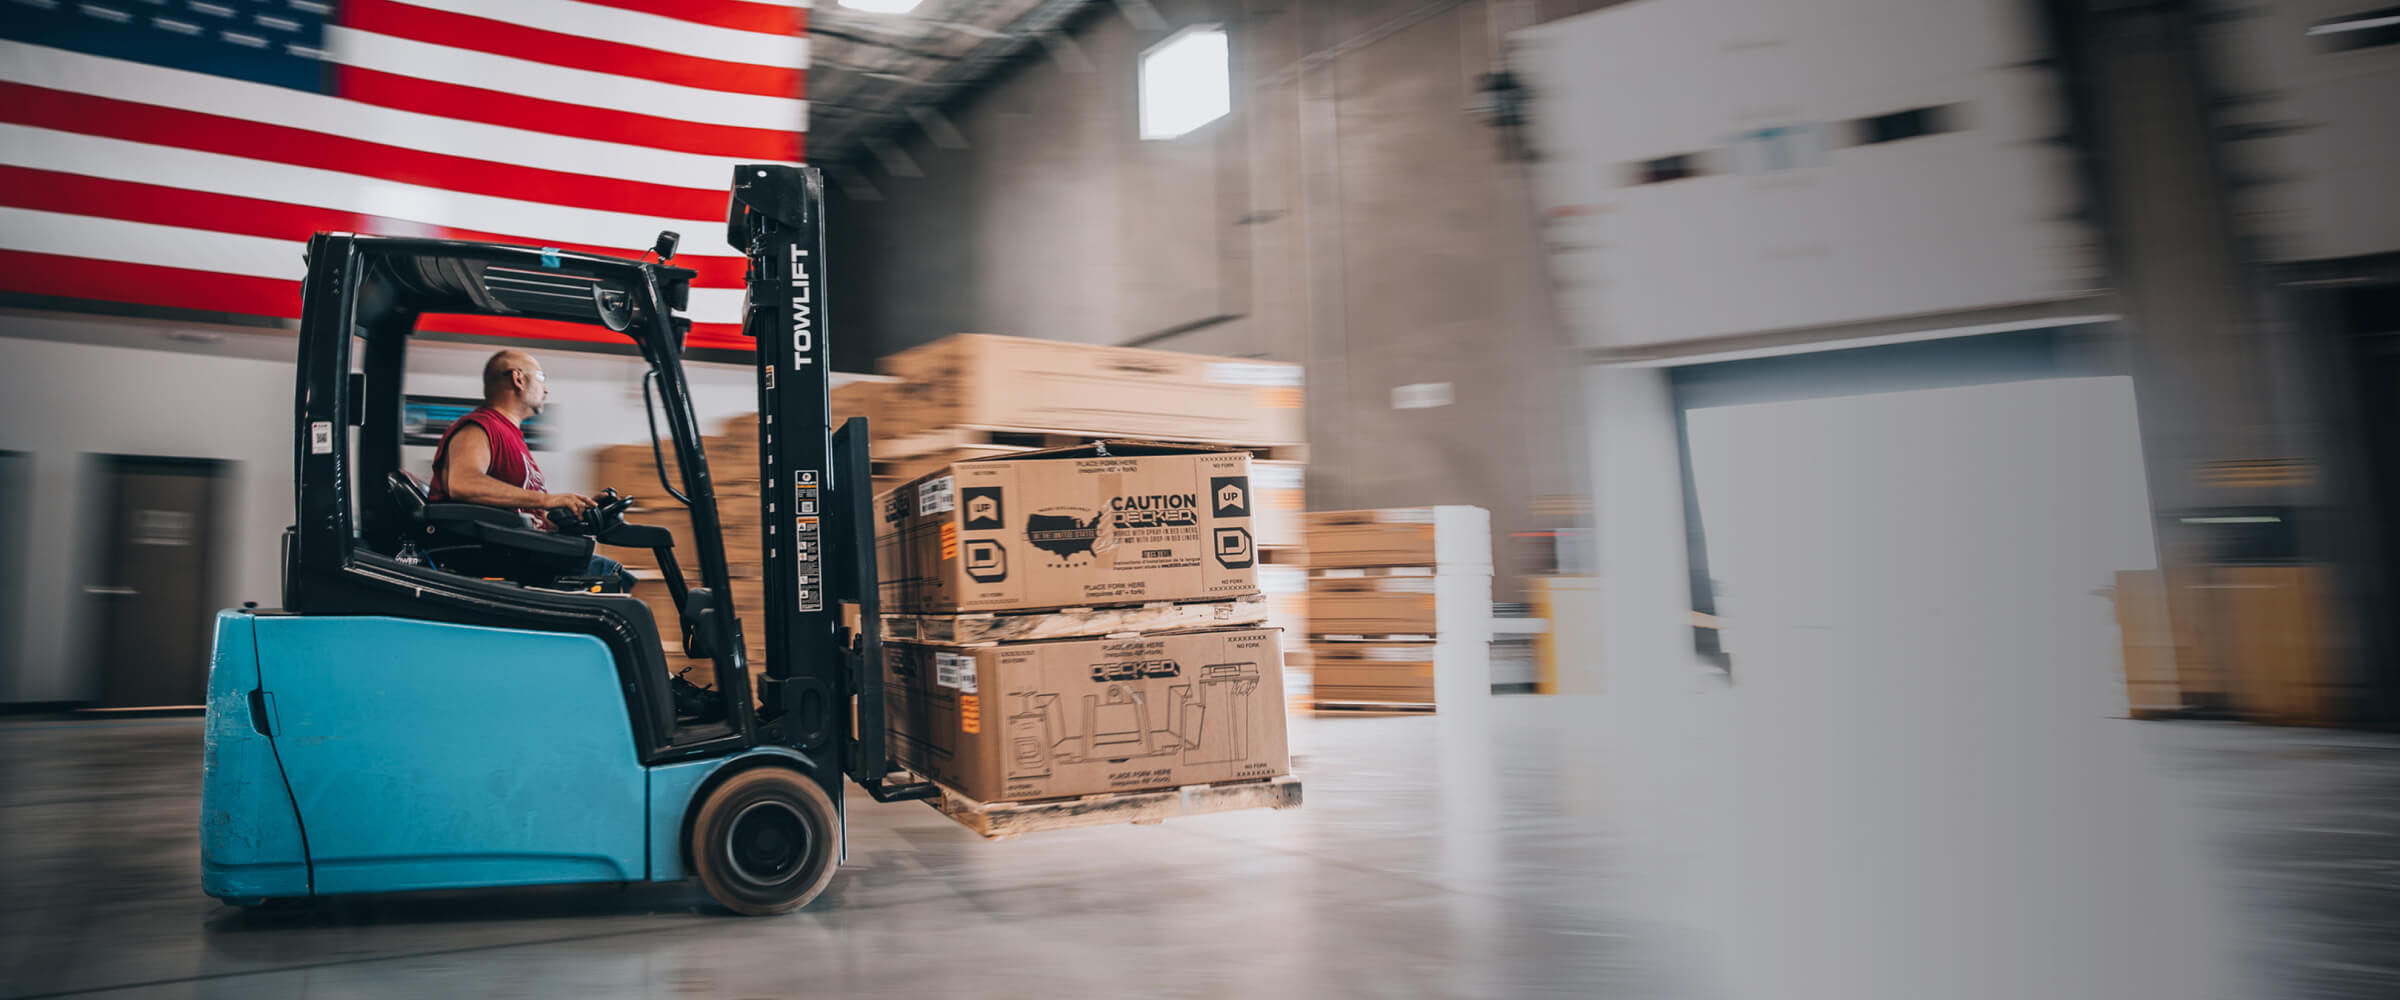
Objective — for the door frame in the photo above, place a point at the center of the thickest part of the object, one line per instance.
(107, 471)
(2070, 351)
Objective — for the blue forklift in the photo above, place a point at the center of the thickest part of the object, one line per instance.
(394, 726)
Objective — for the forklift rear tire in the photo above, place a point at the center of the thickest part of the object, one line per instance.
(766, 842)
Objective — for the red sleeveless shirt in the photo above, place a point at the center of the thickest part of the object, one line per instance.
(511, 463)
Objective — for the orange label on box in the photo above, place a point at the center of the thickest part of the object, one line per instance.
(949, 540)
(970, 714)
(1279, 398)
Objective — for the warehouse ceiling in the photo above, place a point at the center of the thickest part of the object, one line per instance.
(876, 79)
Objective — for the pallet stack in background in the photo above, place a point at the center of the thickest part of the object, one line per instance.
(1078, 621)
(733, 469)
(979, 396)
(1400, 607)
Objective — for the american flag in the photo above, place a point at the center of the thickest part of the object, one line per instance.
(179, 152)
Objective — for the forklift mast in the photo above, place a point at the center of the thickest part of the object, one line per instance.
(823, 689)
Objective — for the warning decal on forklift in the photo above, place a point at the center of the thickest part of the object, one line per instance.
(320, 437)
(808, 563)
(808, 556)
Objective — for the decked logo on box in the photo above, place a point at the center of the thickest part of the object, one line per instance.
(1156, 510)
(983, 508)
(1233, 548)
(1231, 495)
(987, 560)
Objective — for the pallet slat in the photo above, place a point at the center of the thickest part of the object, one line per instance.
(1004, 820)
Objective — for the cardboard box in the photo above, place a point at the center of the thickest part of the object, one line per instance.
(1449, 537)
(739, 517)
(1452, 673)
(861, 398)
(1299, 677)
(1379, 605)
(1282, 498)
(1393, 672)
(1115, 522)
(980, 380)
(1023, 721)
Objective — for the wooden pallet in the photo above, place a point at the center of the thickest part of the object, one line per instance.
(1411, 707)
(1000, 439)
(1067, 623)
(1005, 820)
(1373, 572)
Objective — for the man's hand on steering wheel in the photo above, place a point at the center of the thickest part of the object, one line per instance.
(593, 516)
(572, 503)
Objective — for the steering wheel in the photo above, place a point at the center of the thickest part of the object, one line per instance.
(608, 511)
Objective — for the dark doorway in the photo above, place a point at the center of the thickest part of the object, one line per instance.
(2368, 319)
(16, 506)
(157, 572)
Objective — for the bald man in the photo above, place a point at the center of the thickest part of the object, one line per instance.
(482, 458)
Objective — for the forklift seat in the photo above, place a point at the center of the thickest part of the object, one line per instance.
(476, 540)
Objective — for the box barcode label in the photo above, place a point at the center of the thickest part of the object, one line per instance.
(936, 496)
(1241, 373)
(952, 670)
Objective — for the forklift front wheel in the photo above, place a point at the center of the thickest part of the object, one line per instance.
(766, 842)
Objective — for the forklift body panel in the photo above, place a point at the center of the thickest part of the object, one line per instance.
(428, 755)
(250, 842)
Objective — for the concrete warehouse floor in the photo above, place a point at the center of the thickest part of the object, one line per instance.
(1561, 846)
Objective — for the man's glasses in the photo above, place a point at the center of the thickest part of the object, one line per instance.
(537, 374)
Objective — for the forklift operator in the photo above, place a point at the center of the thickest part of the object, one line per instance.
(483, 459)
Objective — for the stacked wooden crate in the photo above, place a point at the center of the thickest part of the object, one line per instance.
(1069, 623)
(1400, 607)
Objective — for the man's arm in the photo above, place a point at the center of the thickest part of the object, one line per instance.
(470, 453)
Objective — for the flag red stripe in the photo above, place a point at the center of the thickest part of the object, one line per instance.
(534, 114)
(768, 19)
(720, 336)
(147, 284)
(52, 191)
(500, 38)
(84, 113)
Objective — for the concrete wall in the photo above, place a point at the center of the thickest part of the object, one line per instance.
(1791, 220)
(74, 388)
(2316, 131)
(1350, 214)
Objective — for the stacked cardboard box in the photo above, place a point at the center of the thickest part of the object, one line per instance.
(1400, 606)
(976, 396)
(1112, 551)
